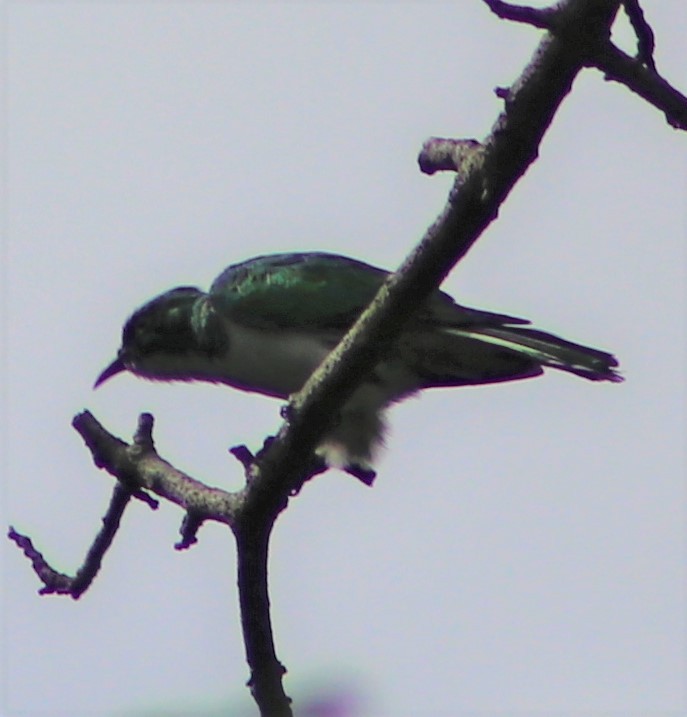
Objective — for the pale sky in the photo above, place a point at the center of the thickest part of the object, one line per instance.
(522, 550)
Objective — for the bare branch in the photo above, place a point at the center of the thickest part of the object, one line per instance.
(58, 583)
(649, 85)
(541, 18)
(645, 35)
(250, 514)
(243, 456)
(190, 526)
(53, 581)
(138, 466)
(440, 154)
(252, 541)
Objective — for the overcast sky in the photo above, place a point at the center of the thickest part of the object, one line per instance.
(523, 548)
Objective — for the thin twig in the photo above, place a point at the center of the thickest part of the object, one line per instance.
(541, 18)
(649, 85)
(58, 583)
(645, 35)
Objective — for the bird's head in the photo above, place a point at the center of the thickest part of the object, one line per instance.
(160, 336)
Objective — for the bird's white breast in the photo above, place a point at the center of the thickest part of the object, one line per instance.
(275, 363)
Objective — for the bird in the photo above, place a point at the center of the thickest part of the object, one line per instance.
(267, 323)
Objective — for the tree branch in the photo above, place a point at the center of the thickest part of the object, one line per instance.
(538, 17)
(58, 583)
(645, 35)
(252, 542)
(138, 466)
(645, 82)
(439, 154)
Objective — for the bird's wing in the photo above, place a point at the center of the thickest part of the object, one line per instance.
(442, 311)
(321, 291)
(309, 290)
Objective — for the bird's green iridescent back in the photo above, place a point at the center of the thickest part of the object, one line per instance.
(321, 291)
(296, 290)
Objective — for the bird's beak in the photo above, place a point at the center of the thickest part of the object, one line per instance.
(117, 366)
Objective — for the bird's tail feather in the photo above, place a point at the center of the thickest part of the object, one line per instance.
(548, 350)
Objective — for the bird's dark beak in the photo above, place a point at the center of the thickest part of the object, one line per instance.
(117, 366)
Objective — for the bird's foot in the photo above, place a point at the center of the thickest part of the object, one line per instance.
(365, 475)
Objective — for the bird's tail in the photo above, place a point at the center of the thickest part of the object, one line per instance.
(547, 350)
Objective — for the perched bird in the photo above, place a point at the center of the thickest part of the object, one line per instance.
(267, 323)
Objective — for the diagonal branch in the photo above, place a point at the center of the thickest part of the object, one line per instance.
(138, 466)
(486, 177)
(642, 80)
(58, 583)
